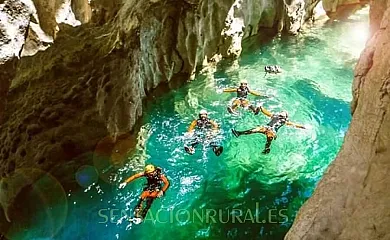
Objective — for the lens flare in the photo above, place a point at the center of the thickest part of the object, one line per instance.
(86, 176)
(37, 205)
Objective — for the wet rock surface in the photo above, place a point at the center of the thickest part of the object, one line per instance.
(342, 9)
(352, 199)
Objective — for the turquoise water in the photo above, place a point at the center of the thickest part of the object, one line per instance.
(247, 194)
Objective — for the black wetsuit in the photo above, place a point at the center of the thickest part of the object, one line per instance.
(271, 69)
(277, 121)
(242, 95)
(270, 130)
(154, 181)
(242, 92)
(203, 124)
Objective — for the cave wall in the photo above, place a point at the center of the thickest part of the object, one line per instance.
(352, 199)
(38, 21)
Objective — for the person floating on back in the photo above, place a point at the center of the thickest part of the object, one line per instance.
(241, 99)
(203, 130)
(277, 121)
(275, 69)
(153, 189)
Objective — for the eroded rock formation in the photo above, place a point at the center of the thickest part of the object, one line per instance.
(352, 200)
(38, 21)
(246, 18)
(14, 22)
(80, 99)
(29, 26)
(342, 8)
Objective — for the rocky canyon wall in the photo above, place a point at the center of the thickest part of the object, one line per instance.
(83, 95)
(342, 9)
(352, 200)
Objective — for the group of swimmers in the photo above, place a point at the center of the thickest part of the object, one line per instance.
(204, 130)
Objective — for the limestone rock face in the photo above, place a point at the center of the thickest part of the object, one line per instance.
(38, 20)
(352, 201)
(342, 8)
(247, 17)
(377, 10)
(78, 101)
(14, 21)
(28, 26)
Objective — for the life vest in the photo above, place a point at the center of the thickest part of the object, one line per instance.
(154, 181)
(277, 121)
(272, 69)
(203, 124)
(268, 69)
(242, 92)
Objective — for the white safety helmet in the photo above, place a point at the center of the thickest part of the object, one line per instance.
(284, 114)
(244, 81)
(203, 112)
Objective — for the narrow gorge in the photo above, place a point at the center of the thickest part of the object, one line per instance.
(86, 86)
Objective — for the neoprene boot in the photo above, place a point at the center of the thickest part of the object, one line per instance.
(218, 150)
(238, 133)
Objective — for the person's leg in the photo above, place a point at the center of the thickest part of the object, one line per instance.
(270, 136)
(235, 104)
(138, 207)
(254, 109)
(217, 149)
(149, 202)
(192, 145)
(246, 132)
(267, 148)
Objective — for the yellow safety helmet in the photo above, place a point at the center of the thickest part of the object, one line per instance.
(149, 168)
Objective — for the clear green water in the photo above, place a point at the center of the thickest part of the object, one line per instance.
(316, 90)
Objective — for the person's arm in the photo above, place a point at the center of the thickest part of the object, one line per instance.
(230, 90)
(166, 183)
(295, 125)
(254, 93)
(135, 176)
(214, 125)
(165, 187)
(214, 128)
(265, 111)
(192, 126)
